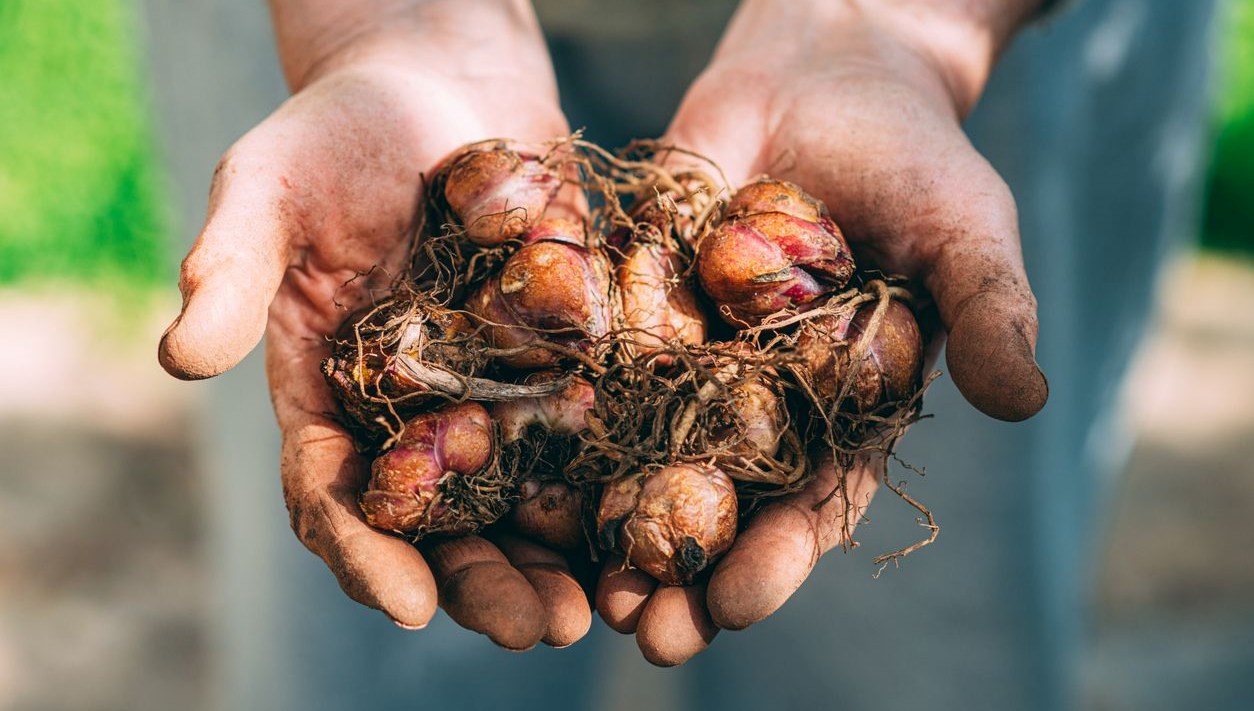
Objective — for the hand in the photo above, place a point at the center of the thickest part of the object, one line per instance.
(859, 104)
(326, 188)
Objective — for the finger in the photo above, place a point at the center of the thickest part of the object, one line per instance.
(482, 592)
(675, 625)
(321, 476)
(234, 269)
(987, 306)
(622, 594)
(565, 603)
(781, 545)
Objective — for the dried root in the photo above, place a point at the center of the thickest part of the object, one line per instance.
(632, 407)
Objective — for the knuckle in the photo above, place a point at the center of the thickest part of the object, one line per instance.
(227, 167)
(226, 164)
(192, 271)
(246, 157)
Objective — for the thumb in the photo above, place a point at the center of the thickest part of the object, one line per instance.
(982, 293)
(234, 269)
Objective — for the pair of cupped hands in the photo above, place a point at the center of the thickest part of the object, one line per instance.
(860, 104)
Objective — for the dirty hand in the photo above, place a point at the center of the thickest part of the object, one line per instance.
(326, 188)
(859, 103)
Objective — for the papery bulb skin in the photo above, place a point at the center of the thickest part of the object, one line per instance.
(891, 370)
(775, 251)
(406, 493)
(553, 289)
(658, 304)
(561, 413)
(498, 193)
(551, 512)
(763, 419)
(671, 523)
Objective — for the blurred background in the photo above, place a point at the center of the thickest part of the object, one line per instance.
(106, 554)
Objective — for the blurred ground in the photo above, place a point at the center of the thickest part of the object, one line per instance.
(1175, 614)
(103, 572)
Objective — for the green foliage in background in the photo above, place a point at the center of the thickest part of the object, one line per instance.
(80, 186)
(1230, 183)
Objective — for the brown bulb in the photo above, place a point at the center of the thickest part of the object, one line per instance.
(891, 370)
(498, 193)
(671, 523)
(775, 251)
(762, 419)
(411, 484)
(553, 289)
(658, 303)
(551, 512)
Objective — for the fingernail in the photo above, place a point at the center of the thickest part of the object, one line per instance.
(408, 627)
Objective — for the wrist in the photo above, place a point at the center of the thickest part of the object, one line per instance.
(962, 39)
(957, 41)
(315, 37)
